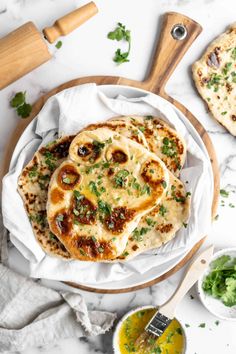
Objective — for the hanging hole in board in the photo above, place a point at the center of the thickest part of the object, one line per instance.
(179, 32)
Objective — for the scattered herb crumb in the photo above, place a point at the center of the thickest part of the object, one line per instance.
(187, 325)
(224, 193)
(202, 325)
(217, 323)
(58, 45)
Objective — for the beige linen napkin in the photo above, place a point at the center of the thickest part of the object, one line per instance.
(32, 315)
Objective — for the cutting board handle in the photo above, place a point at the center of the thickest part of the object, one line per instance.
(177, 34)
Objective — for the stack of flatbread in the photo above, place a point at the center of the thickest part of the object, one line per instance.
(108, 193)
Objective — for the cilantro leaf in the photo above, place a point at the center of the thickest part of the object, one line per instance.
(120, 33)
(229, 297)
(18, 99)
(23, 109)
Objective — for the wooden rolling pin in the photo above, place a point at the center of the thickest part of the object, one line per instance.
(24, 49)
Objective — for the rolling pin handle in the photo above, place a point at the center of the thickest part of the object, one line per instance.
(70, 22)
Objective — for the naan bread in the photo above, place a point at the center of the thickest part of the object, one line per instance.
(97, 197)
(161, 224)
(124, 128)
(163, 140)
(215, 78)
(33, 188)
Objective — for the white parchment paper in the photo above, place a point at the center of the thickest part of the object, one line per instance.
(68, 112)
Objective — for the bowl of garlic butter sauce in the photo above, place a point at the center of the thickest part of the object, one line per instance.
(133, 323)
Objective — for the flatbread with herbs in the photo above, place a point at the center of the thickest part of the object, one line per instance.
(33, 188)
(98, 195)
(215, 78)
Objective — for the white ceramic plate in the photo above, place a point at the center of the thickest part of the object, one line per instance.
(216, 307)
(138, 279)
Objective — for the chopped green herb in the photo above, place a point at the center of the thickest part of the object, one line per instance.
(162, 210)
(75, 212)
(226, 68)
(33, 172)
(137, 234)
(187, 325)
(178, 198)
(52, 236)
(188, 194)
(100, 249)
(39, 219)
(142, 128)
(145, 190)
(106, 165)
(185, 225)
(231, 205)
(179, 331)
(224, 113)
(125, 254)
(98, 146)
(169, 337)
(149, 117)
(217, 323)
(169, 147)
(93, 188)
(91, 168)
(109, 141)
(202, 325)
(104, 207)
(164, 184)
(150, 222)
(214, 82)
(50, 160)
(120, 178)
(82, 252)
(66, 180)
(233, 54)
(140, 314)
(78, 195)
(224, 193)
(58, 45)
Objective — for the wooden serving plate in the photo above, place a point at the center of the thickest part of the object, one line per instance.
(168, 53)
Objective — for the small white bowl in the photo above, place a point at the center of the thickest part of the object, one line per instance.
(118, 327)
(215, 306)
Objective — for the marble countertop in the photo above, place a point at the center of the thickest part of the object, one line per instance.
(87, 52)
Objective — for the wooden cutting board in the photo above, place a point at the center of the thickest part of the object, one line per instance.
(168, 53)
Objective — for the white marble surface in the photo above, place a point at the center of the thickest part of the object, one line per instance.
(87, 52)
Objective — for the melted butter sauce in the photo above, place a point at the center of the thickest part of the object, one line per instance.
(171, 342)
